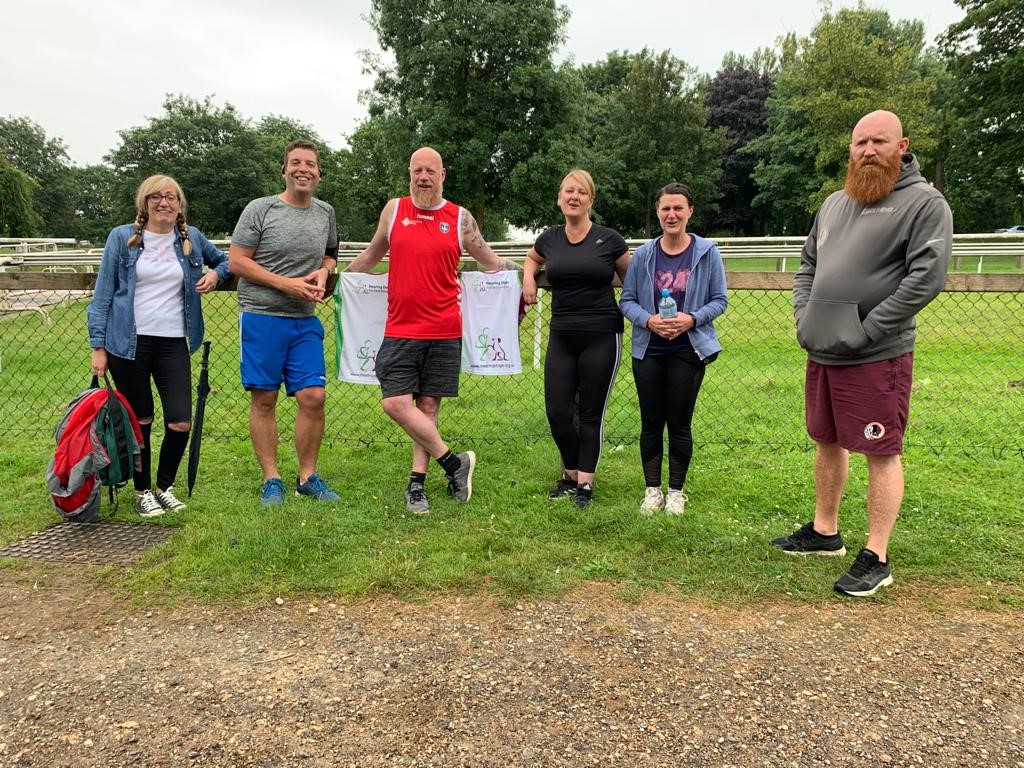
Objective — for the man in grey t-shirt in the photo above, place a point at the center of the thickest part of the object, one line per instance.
(283, 249)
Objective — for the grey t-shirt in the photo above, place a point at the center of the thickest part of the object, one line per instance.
(288, 241)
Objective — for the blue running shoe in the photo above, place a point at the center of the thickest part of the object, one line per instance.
(272, 492)
(315, 488)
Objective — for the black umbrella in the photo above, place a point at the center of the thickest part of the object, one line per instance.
(202, 390)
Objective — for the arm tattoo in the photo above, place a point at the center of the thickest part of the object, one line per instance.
(471, 232)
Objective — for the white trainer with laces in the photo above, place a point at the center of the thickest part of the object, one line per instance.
(675, 502)
(147, 505)
(168, 500)
(654, 500)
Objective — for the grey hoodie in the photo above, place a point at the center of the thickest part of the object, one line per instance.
(866, 270)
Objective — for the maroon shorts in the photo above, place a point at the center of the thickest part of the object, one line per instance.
(864, 408)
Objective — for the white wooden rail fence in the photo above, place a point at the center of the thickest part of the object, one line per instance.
(50, 256)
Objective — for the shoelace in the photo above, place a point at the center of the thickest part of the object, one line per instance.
(807, 533)
(272, 489)
(168, 500)
(863, 564)
(149, 503)
(417, 494)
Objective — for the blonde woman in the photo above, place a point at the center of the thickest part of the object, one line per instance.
(145, 320)
(585, 340)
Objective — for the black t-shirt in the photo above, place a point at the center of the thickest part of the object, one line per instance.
(581, 278)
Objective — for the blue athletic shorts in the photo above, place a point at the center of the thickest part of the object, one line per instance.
(282, 349)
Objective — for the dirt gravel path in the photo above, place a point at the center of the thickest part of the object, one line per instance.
(465, 681)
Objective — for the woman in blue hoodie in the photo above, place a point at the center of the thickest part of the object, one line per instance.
(670, 353)
(145, 320)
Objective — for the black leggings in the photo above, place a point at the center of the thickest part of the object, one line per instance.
(167, 362)
(667, 387)
(584, 362)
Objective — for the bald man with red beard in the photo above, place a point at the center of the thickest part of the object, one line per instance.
(876, 255)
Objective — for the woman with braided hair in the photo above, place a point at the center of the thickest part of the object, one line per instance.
(145, 320)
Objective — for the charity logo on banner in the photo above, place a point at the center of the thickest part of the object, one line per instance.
(360, 310)
(490, 323)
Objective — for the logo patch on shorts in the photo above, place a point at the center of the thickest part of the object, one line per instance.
(444, 227)
(874, 431)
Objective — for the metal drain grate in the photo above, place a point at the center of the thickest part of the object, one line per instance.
(100, 543)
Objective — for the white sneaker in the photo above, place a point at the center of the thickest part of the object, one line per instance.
(654, 500)
(147, 505)
(169, 501)
(675, 502)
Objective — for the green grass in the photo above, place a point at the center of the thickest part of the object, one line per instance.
(969, 356)
(961, 529)
(990, 264)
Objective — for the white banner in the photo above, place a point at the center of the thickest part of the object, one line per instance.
(360, 310)
(490, 323)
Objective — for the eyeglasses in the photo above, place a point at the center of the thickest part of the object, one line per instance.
(156, 197)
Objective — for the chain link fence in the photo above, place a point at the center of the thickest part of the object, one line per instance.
(968, 375)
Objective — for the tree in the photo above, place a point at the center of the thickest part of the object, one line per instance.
(374, 169)
(637, 123)
(985, 52)
(46, 161)
(533, 185)
(474, 79)
(855, 61)
(736, 101)
(278, 131)
(17, 216)
(219, 159)
(654, 130)
(93, 198)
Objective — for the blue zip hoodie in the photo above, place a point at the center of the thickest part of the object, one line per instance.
(705, 296)
(111, 314)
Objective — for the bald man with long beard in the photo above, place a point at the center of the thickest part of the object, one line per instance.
(877, 254)
(420, 358)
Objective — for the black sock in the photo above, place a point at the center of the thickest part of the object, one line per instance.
(418, 477)
(450, 463)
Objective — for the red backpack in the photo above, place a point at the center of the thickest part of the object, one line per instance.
(98, 444)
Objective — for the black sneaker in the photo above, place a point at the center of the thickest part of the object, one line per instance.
(460, 485)
(565, 486)
(584, 495)
(866, 576)
(807, 541)
(416, 499)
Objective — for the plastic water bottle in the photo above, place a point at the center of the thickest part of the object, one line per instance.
(667, 305)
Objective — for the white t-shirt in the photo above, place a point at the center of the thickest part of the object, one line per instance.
(159, 288)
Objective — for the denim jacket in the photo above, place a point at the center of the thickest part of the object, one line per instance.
(705, 296)
(112, 309)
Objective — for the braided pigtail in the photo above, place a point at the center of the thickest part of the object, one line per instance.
(135, 241)
(186, 246)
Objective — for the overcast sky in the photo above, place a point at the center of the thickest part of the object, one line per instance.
(84, 70)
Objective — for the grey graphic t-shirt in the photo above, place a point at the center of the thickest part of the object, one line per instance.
(288, 241)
